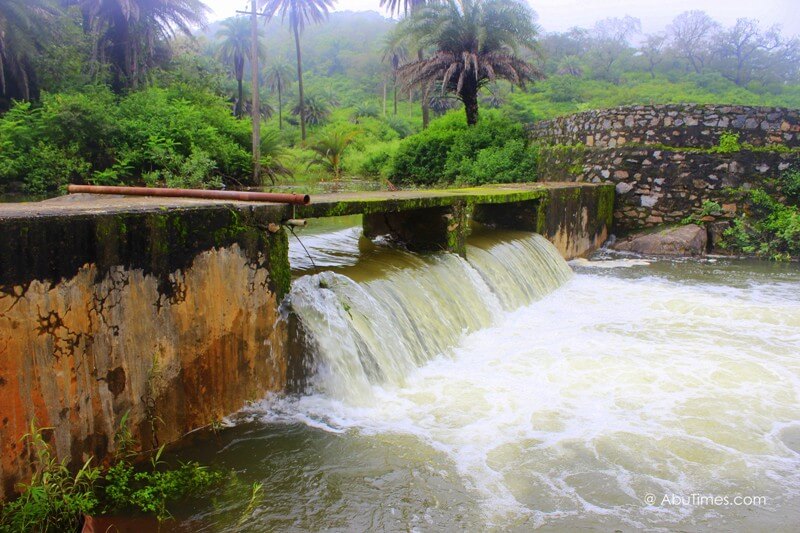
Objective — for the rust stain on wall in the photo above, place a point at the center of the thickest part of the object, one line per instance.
(76, 355)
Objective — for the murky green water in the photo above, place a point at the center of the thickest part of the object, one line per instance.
(508, 393)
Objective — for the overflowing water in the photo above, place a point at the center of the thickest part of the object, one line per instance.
(503, 392)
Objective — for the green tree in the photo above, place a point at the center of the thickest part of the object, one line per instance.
(409, 7)
(476, 42)
(300, 13)
(20, 35)
(130, 32)
(273, 156)
(235, 47)
(330, 147)
(314, 111)
(278, 76)
(394, 53)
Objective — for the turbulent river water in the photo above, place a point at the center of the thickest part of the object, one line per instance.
(512, 391)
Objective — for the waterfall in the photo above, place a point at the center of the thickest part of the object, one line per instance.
(375, 332)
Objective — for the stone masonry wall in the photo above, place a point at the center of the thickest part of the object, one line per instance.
(660, 158)
(661, 186)
(672, 125)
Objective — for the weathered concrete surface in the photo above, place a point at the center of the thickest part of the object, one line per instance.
(168, 315)
(424, 230)
(688, 240)
(577, 220)
(576, 217)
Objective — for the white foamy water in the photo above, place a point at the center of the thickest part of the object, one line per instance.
(582, 406)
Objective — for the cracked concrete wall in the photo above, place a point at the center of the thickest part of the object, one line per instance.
(174, 328)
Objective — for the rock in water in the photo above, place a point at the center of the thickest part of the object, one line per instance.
(686, 240)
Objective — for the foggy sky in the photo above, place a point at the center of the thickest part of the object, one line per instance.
(559, 15)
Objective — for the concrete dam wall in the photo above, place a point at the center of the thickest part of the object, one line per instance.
(168, 310)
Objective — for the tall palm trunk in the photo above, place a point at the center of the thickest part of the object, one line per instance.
(300, 83)
(394, 81)
(469, 95)
(426, 116)
(239, 111)
(384, 96)
(238, 70)
(280, 106)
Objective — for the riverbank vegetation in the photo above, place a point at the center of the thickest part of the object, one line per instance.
(94, 93)
(58, 498)
(770, 226)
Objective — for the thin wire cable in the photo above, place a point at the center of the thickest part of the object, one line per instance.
(291, 229)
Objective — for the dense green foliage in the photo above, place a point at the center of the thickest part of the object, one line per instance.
(770, 228)
(149, 491)
(174, 136)
(495, 150)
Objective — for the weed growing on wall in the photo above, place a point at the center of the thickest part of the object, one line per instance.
(728, 143)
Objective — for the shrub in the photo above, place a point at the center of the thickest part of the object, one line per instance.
(770, 229)
(374, 160)
(495, 150)
(400, 126)
(790, 185)
(56, 498)
(513, 162)
(421, 158)
(150, 491)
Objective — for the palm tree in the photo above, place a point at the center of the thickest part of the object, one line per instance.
(235, 47)
(406, 8)
(403, 7)
(315, 111)
(273, 156)
(129, 31)
(278, 75)
(395, 53)
(299, 12)
(330, 148)
(20, 26)
(476, 42)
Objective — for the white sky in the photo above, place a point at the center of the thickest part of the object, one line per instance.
(559, 15)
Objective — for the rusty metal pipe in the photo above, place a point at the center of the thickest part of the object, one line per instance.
(301, 199)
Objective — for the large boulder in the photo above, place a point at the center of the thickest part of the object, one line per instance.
(689, 240)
